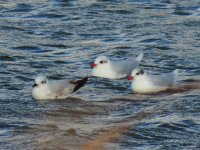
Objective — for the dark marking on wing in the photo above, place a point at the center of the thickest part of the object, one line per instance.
(79, 83)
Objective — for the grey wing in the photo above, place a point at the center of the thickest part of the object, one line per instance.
(61, 88)
(125, 66)
(162, 80)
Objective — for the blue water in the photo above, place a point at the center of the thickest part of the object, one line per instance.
(61, 38)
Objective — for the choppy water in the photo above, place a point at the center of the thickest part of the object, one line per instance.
(60, 38)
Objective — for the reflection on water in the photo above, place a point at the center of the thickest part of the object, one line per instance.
(61, 38)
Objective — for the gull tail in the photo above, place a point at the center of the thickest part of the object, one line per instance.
(139, 58)
(79, 83)
(175, 72)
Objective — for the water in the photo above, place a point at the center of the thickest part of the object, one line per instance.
(61, 38)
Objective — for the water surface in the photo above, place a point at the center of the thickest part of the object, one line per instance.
(61, 38)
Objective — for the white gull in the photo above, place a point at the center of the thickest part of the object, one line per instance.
(114, 69)
(44, 88)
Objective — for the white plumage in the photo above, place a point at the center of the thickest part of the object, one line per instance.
(55, 89)
(146, 83)
(113, 69)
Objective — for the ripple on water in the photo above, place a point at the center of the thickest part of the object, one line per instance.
(7, 58)
(60, 38)
(21, 8)
(34, 49)
(61, 46)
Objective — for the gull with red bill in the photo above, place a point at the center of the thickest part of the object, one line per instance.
(114, 69)
(146, 83)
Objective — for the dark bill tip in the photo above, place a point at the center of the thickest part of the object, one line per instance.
(34, 85)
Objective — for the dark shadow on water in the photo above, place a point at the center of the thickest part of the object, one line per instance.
(185, 87)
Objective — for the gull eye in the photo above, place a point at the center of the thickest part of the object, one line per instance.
(43, 82)
(101, 62)
(137, 73)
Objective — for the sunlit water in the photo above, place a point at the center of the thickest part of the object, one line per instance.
(61, 38)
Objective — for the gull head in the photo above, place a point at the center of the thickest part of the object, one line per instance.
(136, 73)
(40, 80)
(100, 61)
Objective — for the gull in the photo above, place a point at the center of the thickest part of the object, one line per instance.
(114, 69)
(146, 83)
(44, 88)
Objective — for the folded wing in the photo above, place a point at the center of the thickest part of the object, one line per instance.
(63, 88)
(166, 79)
(125, 67)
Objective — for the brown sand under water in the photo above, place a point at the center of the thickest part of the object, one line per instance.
(82, 128)
(116, 132)
(98, 142)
